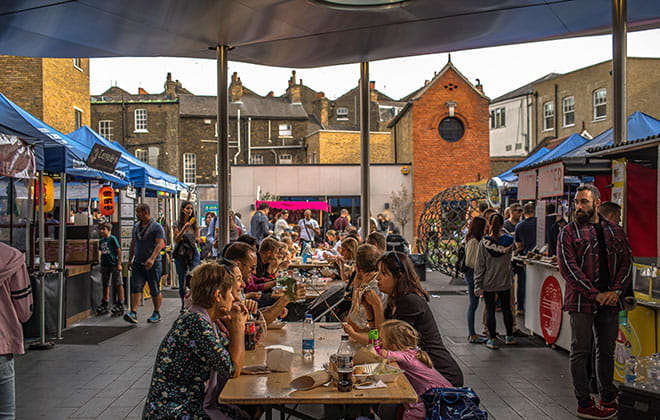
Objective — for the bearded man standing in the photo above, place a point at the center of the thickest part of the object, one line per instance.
(595, 260)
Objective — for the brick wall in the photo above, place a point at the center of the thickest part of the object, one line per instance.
(643, 84)
(265, 133)
(437, 163)
(162, 126)
(344, 147)
(21, 82)
(65, 88)
(402, 133)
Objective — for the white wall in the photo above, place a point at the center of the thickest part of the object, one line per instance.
(514, 131)
(314, 180)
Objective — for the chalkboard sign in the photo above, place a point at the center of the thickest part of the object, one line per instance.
(103, 158)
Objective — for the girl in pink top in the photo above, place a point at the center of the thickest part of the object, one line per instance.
(399, 343)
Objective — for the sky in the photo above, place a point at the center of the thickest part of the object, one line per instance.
(499, 69)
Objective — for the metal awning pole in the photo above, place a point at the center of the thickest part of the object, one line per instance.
(619, 54)
(42, 261)
(223, 147)
(61, 263)
(365, 102)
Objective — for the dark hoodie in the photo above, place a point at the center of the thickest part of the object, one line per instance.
(492, 271)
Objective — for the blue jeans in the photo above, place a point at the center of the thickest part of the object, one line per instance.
(182, 268)
(7, 393)
(473, 300)
(519, 272)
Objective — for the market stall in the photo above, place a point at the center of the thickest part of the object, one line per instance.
(63, 281)
(627, 175)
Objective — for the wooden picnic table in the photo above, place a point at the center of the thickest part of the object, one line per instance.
(273, 389)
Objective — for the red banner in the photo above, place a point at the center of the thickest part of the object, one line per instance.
(550, 313)
(297, 205)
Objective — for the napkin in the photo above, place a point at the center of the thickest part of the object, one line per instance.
(311, 380)
(279, 358)
(369, 385)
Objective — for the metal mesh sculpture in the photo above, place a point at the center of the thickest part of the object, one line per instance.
(443, 225)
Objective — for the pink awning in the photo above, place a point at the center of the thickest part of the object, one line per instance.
(297, 205)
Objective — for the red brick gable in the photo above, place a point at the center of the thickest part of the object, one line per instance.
(438, 164)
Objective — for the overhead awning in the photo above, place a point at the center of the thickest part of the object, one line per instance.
(296, 33)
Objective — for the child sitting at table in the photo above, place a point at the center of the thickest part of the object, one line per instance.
(399, 342)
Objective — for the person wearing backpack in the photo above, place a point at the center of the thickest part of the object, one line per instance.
(474, 235)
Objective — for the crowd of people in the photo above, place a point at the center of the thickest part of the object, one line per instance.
(204, 348)
(594, 258)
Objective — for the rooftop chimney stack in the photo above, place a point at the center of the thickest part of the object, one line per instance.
(236, 88)
(294, 90)
(170, 87)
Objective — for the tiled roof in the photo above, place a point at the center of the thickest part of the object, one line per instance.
(250, 106)
(524, 90)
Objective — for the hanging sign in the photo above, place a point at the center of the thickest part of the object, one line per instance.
(107, 200)
(550, 313)
(551, 180)
(103, 158)
(527, 185)
(49, 194)
(130, 192)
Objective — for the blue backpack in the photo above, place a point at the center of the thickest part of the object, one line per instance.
(452, 404)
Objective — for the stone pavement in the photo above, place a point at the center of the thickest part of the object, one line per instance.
(111, 380)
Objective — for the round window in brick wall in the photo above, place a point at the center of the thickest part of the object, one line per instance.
(451, 129)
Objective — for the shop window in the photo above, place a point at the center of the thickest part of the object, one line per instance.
(600, 104)
(568, 107)
(190, 168)
(106, 129)
(548, 116)
(141, 121)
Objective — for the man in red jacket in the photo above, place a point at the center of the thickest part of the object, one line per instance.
(15, 308)
(595, 260)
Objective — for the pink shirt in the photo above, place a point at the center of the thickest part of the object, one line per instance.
(420, 376)
(15, 299)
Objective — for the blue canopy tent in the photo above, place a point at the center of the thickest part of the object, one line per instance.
(147, 176)
(141, 174)
(509, 176)
(60, 153)
(573, 142)
(640, 126)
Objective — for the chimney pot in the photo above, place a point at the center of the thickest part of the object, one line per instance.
(372, 85)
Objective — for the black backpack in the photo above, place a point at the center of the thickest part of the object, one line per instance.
(460, 261)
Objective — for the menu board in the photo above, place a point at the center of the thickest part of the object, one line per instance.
(527, 185)
(551, 180)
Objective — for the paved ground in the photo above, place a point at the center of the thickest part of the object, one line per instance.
(111, 380)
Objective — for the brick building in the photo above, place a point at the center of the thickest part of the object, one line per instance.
(558, 105)
(55, 90)
(582, 99)
(144, 123)
(443, 131)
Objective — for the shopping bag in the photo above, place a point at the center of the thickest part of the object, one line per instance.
(452, 404)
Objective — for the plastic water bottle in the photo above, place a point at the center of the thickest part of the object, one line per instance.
(630, 376)
(653, 372)
(308, 337)
(623, 318)
(345, 366)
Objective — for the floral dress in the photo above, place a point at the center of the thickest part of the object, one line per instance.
(183, 365)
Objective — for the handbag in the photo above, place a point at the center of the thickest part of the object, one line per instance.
(452, 404)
